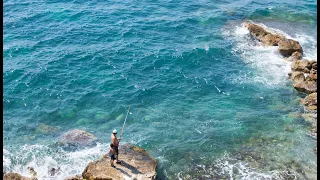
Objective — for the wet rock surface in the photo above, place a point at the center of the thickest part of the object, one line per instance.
(16, 176)
(304, 72)
(265, 37)
(288, 46)
(136, 164)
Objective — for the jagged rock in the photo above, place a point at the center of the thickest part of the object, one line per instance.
(306, 86)
(77, 137)
(312, 76)
(295, 56)
(271, 39)
(136, 164)
(314, 65)
(300, 65)
(32, 172)
(310, 101)
(306, 70)
(297, 76)
(16, 176)
(255, 30)
(288, 46)
(265, 37)
(54, 171)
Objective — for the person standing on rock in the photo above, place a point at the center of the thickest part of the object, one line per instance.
(112, 154)
(115, 142)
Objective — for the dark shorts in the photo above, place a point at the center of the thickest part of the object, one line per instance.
(112, 156)
(116, 149)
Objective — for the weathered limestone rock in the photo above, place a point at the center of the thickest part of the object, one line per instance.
(136, 164)
(271, 39)
(77, 137)
(297, 76)
(312, 76)
(306, 70)
(314, 65)
(288, 46)
(310, 101)
(295, 56)
(306, 86)
(300, 65)
(16, 176)
(265, 37)
(255, 30)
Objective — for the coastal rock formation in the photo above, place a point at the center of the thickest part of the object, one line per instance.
(303, 72)
(295, 56)
(288, 46)
(297, 76)
(16, 176)
(300, 65)
(306, 86)
(310, 101)
(77, 137)
(136, 164)
(312, 119)
(265, 37)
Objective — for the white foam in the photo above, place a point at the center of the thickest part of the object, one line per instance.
(268, 65)
(43, 159)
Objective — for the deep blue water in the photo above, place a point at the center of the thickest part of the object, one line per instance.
(199, 88)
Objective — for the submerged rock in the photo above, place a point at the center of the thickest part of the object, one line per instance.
(288, 46)
(289, 129)
(136, 164)
(46, 129)
(118, 118)
(16, 176)
(77, 137)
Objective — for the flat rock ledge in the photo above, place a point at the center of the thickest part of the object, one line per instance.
(16, 176)
(136, 164)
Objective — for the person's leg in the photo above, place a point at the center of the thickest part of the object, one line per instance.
(117, 154)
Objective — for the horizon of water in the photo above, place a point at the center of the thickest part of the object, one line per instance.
(206, 100)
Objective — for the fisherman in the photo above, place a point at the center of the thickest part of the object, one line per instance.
(112, 153)
(115, 143)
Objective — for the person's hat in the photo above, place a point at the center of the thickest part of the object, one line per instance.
(114, 131)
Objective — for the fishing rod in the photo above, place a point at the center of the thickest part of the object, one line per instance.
(124, 122)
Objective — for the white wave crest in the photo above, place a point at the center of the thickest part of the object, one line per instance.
(43, 159)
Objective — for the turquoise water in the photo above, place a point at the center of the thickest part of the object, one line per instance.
(201, 91)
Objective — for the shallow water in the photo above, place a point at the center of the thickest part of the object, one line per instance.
(201, 90)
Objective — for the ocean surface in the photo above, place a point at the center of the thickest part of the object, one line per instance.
(206, 100)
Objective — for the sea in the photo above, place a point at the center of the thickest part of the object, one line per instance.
(207, 101)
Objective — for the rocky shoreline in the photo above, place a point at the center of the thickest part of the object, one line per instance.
(303, 72)
(136, 162)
